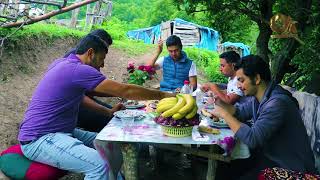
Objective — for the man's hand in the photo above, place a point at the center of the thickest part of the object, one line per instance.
(117, 107)
(219, 112)
(226, 108)
(209, 87)
(226, 112)
(152, 61)
(160, 46)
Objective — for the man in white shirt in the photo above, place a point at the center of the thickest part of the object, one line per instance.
(228, 60)
(176, 67)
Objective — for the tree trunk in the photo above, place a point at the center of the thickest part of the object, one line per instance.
(263, 40)
(264, 29)
(282, 57)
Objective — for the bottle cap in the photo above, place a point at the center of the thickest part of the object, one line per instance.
(186, 82)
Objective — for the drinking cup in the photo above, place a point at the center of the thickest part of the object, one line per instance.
(127, 122)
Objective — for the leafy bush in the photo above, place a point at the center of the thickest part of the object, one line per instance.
(140, 75)
(207, 61)
(307, 60)
(118, 30)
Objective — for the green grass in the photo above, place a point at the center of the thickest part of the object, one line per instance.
(132, 47)
(208, 62)
(49, 31)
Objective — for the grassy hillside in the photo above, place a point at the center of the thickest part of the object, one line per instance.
(207, 61)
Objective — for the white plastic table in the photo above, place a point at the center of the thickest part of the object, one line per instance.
(147, 131)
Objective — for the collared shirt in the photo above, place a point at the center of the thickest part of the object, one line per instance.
(232, 87)
(55, 102)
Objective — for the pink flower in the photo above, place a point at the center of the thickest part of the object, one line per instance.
(150, 70)
(141, 74)
(141, 68)
(131, 63)
(130, 67)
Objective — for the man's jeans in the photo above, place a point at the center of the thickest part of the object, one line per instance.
(72, 152)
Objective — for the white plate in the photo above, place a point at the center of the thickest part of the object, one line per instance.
(136, 114)
(220, 124)
(131, 105)
(134, 106)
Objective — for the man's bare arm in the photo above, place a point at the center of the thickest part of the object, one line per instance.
(92, 93)
(221, 94)
(92, 105)
(130, 91)
(152, 61)
(226, 111)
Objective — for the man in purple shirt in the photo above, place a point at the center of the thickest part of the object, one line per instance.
(48, 132)
(85, 114)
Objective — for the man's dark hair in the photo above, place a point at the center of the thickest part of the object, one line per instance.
(174, 41)
(253, 65)
(91, 41)
(104, 35)
(230, 57)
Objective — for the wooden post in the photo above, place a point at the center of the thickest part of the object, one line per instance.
(96, 13)
(130, 161)
(74, 17)
(88, 17)
(212, 166)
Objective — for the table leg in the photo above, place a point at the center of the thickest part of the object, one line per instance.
(130, 161)
(212, 166)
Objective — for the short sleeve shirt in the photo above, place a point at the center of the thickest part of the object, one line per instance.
(55, 102)
(232, 87)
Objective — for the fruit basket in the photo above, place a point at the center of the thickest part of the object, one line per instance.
(178, 115)
(177, 131)
(177, 128)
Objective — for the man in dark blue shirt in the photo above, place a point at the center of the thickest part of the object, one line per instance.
(277, 135)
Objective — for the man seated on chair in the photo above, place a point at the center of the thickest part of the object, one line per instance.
(278, 136)
(232, 94)
(48, 132)
(85, 114)
(176, 68)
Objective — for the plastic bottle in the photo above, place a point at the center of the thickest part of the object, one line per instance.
(186, 89)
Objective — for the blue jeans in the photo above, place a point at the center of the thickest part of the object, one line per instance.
(72, 152)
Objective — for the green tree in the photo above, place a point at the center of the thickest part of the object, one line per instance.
(258, 13)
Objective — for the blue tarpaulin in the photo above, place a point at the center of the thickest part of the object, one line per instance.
(245, 48)
(209, 37)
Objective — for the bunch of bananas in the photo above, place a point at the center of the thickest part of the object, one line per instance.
(181, 106)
